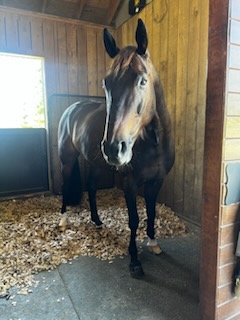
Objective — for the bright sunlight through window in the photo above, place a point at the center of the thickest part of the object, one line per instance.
(22, 97)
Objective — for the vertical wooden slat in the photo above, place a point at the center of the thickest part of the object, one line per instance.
(181, 101)
(149, 24)
(92, 61)
(82, 60)
(163, 53)
(132, 31)
(37, 36)
(118, 37)
(25, 34)
(171, 88)
(62, 69)
(12, 38)
(163, 71)
(200, 110)
(100, 63)
(50, 57)
(191, 107)
(72, 59)
(154, 55)
(124, 31)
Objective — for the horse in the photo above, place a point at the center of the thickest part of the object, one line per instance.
(130, 133)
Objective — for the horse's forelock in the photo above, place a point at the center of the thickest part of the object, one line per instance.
(127, 59)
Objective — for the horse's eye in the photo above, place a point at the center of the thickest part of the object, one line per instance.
(143, 81)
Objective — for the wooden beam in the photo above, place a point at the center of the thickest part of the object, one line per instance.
(216, 82)
(44, 6)
(81, 5)
(113, 6)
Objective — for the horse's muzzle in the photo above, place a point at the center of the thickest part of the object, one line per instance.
(116, 153)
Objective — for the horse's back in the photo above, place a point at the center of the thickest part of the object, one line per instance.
(81, 129)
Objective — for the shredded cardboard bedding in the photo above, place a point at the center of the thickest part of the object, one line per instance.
(30, 240)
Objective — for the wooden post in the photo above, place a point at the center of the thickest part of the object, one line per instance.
(216, 80)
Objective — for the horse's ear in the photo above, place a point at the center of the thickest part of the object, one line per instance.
(141, 38)
(110, 44)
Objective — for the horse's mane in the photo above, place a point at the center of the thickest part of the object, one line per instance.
(127, 59)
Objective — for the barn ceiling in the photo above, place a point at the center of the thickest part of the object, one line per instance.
(102, 12)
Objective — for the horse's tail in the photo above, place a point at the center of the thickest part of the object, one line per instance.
(74, 191)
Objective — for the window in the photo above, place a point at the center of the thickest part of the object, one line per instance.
(22, 98)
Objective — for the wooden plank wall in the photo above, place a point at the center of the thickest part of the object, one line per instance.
(75, 62)
(75, 59)
(177, 31)
(228, 306)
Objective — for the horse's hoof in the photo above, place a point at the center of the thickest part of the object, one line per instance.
(237, 288)
(99, 225)
(155, 249)
(136, 271)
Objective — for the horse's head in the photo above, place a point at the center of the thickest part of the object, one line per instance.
(130, 98)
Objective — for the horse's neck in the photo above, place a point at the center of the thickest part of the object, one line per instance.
(161, 107)
(159, 127)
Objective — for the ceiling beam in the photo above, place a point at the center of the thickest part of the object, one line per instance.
(113, 6)
(44, 5)
(81, 5)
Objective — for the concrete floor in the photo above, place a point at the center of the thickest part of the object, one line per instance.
(91, 289)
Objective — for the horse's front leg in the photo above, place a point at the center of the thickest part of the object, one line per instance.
(135, 267)
(151, 190)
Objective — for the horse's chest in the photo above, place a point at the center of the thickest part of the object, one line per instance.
(148, 164)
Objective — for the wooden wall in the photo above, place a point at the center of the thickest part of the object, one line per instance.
(75, 60)
(228, 306)
(75, 63)
(177, 31)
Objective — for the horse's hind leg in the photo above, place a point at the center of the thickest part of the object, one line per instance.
(92, 190)
(71, 185)
(66, 176)
(151, 190)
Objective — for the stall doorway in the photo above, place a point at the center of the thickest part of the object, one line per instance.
(23, 147)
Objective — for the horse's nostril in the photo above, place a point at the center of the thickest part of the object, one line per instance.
(123, 147)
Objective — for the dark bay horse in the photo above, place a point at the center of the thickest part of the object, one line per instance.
(130, 134)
